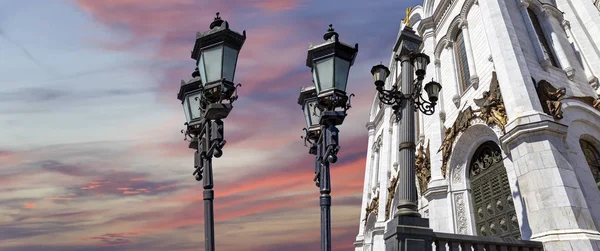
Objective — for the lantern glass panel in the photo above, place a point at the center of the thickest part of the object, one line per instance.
(230, 57)
(213, 58)
(202, 69)
(193, 101)
(342, 68)
(315, 114)
(325, 74)
(186, 109)
(307, 114)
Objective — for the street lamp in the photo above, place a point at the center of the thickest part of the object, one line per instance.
(207, 99)
(408, 231)
(325, 105)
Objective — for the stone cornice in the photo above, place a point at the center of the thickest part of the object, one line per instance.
(525, 129)
(426, 27)
(378, 118)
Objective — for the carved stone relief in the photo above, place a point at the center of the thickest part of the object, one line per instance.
(491, 111)
(461, 215)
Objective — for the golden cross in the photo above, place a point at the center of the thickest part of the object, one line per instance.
(406, 21)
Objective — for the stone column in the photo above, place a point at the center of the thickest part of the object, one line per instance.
(375, 172)
(438, 78)
(464, 26)
(385, 164)
(365, 200)
(542, 57)
(556, 44)
(590, 72)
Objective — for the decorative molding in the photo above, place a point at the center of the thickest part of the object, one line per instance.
(443, 116)
(461, 216)
(423, 167)
(377, 144)
(370, 127)
(475, 81)
(456, 100)
(486, 160)
(491, 112)
(570, 73)
(593, 81)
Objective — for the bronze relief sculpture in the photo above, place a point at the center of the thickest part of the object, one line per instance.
(423, 168)
(550, 97)
(372, 207)
(491, 111)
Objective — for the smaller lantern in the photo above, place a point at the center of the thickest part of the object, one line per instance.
(433, 90)
(380, 74)
(308, 101)
(420, 62)
(190, 94)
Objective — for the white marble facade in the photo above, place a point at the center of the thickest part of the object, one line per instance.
(552, 184)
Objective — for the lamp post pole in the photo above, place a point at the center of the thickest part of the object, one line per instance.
(407, 231)
(325, 105)
(207, 99)
(407, 203)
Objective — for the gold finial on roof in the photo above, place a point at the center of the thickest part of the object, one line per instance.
(406, 19)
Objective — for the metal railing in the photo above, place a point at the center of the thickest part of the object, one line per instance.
(457, 242)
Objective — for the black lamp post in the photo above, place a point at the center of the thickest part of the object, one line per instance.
(407, 231)
(207, 99)
(325, 105)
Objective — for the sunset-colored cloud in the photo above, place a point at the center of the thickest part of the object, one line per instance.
(119, 175)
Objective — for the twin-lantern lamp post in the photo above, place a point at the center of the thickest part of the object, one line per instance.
(207, 99)
(325, 105)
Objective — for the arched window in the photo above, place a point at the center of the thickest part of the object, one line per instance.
(542, 38)
(461, 61)
(491, 196)
(593, 158)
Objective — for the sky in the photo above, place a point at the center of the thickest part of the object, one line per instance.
(91, 153)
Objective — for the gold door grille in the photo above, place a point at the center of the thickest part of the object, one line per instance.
(492, 200)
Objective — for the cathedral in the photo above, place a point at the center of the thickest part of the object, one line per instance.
(513, 149)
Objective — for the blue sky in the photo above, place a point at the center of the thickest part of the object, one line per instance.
(91, 154)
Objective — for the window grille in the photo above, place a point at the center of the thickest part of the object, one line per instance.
(593, 159)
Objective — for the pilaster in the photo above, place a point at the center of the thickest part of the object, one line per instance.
(365, 200)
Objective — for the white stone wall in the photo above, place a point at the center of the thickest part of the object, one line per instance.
(555, 198)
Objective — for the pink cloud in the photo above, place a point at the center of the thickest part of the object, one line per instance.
(278, 5)
(58, 199)
(114, 239)
(29, 205)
